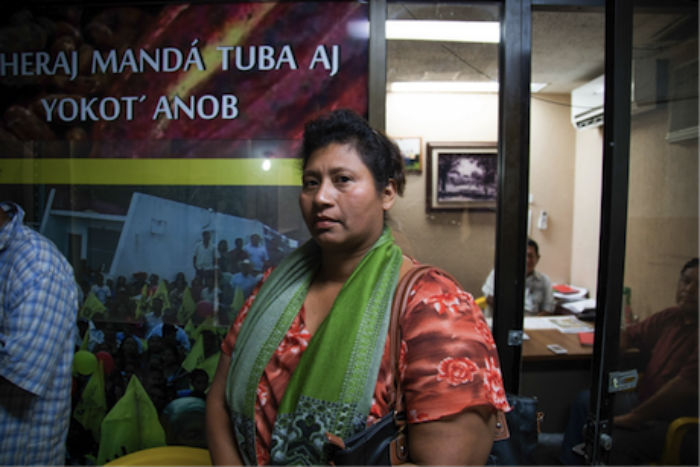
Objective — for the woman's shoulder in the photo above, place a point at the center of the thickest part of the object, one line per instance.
(437, 289)
(434, 279)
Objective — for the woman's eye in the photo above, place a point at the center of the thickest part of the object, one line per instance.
(342, 179)
(309, 183)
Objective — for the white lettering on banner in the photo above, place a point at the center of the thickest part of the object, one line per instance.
(321, 55)
(39, 64)
(167, 59)
(206, 107)
(94, 109)
(260, 57)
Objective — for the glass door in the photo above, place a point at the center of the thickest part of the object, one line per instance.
(646, 356)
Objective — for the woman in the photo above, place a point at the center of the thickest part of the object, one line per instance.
(277, 391)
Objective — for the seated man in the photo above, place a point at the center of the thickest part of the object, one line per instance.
(668, 386)
(538, 288)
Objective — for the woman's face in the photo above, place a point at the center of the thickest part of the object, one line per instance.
(339, 200)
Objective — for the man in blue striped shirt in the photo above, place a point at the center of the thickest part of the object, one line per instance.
(38, 309)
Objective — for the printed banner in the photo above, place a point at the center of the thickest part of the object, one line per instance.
(223, 80)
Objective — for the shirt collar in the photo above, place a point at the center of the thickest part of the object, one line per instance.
(6, 231)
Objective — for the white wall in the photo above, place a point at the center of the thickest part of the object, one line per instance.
(159, 236)
(587, 197)
(552, 169)
(460, 242)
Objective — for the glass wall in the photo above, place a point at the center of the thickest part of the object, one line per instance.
(659, 322)
(563, 208)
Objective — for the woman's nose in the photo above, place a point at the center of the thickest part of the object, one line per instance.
(324, 193)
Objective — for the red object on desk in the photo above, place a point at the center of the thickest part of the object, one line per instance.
(586, 338)
(563, 288)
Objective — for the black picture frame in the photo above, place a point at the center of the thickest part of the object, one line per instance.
(461, 176)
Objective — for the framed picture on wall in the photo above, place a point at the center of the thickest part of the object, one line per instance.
(461, 176)
(412, 151)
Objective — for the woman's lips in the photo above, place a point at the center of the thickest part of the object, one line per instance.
(324, 222)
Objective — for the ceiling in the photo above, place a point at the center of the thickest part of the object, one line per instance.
(567, 46)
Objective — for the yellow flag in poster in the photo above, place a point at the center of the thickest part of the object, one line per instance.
(86, 340)
(131, 425)
(91, 306)
(141, 304)
(162, 293)
(189, 329)
(238, 300)
(209, 365)
(187, 308)
(92, 406)
(195, 355)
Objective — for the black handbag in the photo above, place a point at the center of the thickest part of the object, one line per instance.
(383, 443)
(523, 425)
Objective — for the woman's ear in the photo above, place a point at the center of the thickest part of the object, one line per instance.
(389, 194)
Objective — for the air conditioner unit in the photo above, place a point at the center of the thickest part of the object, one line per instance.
(587, 104)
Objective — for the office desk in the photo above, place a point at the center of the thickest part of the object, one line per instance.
(535, 348)
(555, 379)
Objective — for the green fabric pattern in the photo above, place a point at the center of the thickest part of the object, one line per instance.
(331, 389)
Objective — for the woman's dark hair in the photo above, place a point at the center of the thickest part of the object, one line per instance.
(378, 152)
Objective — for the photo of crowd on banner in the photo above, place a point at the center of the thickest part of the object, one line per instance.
(147, 339)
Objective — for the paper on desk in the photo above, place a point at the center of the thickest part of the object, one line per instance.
(580, 305)
(576, 293)
(570, 324)
(538, 322)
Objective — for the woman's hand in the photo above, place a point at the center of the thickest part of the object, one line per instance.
(462, 439)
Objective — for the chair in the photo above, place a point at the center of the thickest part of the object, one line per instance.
(671, 455)
(165, 455)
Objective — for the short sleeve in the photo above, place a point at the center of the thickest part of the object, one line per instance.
(449, 361)
(39, 320)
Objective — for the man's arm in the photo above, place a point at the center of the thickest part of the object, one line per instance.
(220, 437)
(664, 404)
(42, 317)
(462, 439)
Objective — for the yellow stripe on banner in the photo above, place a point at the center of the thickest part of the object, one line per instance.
(240, 172)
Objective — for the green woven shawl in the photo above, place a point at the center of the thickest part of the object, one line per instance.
(331, 389)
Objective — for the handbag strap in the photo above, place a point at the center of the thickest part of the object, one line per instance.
(401, 298)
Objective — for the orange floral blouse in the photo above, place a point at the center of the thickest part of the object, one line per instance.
(448, 360)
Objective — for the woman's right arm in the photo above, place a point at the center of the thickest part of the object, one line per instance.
(222, 444)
